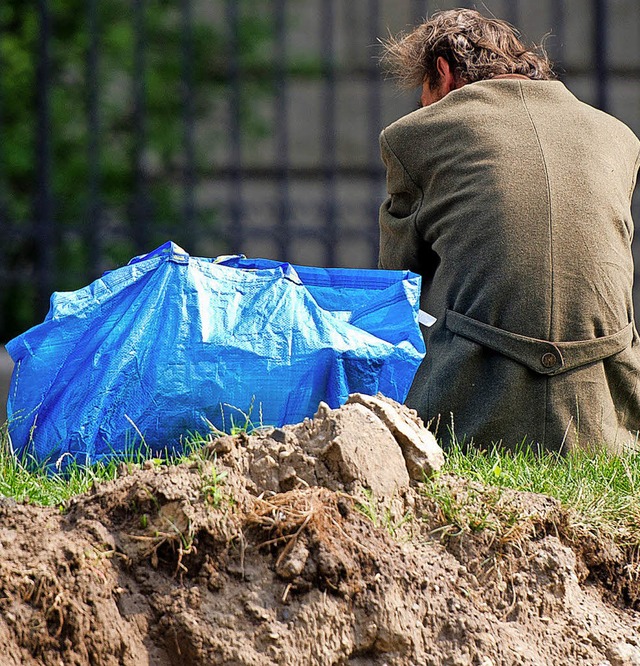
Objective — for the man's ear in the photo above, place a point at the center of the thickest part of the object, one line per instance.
(448, 80)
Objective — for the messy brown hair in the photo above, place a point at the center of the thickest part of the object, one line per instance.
(476, 48)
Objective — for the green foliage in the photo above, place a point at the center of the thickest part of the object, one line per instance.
(70, 42)
(31, 483)
(163, 156)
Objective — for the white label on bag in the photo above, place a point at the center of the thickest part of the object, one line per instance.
(426, 319)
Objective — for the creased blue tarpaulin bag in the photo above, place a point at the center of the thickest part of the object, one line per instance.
(171, 344)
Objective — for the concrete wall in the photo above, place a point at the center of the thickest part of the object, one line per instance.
(6, 366)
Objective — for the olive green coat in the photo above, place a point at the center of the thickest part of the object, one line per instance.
(512, 199)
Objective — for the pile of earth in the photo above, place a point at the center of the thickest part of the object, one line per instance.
(312, 544)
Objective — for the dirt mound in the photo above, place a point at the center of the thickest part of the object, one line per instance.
(310, 544)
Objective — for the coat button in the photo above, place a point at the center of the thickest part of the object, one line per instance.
(548, 360)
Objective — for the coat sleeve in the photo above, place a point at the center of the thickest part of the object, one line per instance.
(399, 238)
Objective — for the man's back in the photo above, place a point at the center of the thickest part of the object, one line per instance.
(523, 224)
(528, 190)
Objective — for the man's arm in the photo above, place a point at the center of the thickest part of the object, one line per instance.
(399, 239)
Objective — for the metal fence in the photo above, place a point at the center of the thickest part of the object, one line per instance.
(274, 109)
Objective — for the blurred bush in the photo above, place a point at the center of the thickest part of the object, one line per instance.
(141, 160)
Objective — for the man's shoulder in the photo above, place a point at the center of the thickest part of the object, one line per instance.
(423, 120)
(560, 105)
(461, 105)
(484, 102)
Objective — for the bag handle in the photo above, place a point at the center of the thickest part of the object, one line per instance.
(240, 261)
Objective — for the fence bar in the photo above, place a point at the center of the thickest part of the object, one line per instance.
(3, 193)
(283, 221)
(43, 199)
(94, 208)
(329, 138)
(235, 231)
(188, 120)
(512, 13)
(140, 218)
(600, 23)
(4, 221)
(303, 173)
(419, 10)
(558, 16)
(374, 107)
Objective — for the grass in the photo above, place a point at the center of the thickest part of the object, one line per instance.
(601, 490)
(382, 516)
(28, 482)
(213, 487)
(31, 483)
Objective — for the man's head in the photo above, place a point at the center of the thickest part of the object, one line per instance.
(465, 45)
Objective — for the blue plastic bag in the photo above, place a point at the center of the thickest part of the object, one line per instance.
(170, 345)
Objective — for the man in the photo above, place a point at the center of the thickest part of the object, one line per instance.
(512, 199)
